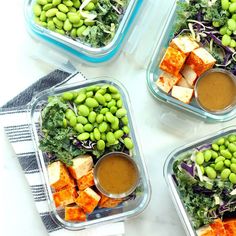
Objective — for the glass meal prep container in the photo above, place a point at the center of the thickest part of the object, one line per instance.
(126, 209)
(153, 72)
(171, 180)
(76, 47)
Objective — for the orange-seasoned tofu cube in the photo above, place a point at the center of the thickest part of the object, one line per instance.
(218, 227)
(166, 81)
(173, 61)
(183, 83)
(205, 231)
(65, 197)
(74, 213)
(87, 200)
(200, 60)
(58, 175)
(189, 74)
(81, 166)
(106, 202)
(185, 44)
(181, 93)
(86, 181)
(230, 227)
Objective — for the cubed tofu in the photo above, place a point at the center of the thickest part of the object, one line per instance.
(86, 181)
(58, 175)
(64, 197)
(185, 44)
(189, 74)
(106, 202)
(183, 83)
(181, 93)
(166, 81)
(218, 227)
(74, 213)
(230, 227)
(200, 60)
(173, 61)
(87, 200)
(205, 231)
(81, 166)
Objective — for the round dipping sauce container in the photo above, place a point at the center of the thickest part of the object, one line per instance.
(116, 175)
(215, 91)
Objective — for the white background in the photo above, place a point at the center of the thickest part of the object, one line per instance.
(20, 69)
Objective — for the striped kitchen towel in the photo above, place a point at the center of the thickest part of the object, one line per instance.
(14, 118)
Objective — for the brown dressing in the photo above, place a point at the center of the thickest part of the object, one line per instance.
(117, 174)
(216, 91)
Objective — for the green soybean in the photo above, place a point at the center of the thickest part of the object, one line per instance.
(110, 118)
(83, 136)
(97, 134)
(104, 110)
(232, 7)
(100, 145)
(61, 16)
(79, 128)
(111, 103)
(91, 135)
(128, 143)
(215, 147)
(219, 165)
(47, 6)
(225, 174)
(88, 127)
(37, 9)
(199, 158)
(214, 154)
(63, 8)
(107, 97)
(103, 127)
(226, 154)
(83, 110)
(211, 173)
(76, 3)
(232, 138)
(232, 178)
(227, 162)
(69, 113)
(67, 25)
(67, 96)
(73, 33)
(56, 2)
(232, 147)
(119, 103)
(81, 119)
(225, 4)
(113, 109)
(118, 133)
(58, 22)
(207, 155)
(91, 102)
(90, 6)
(125, 120)
(99, 118)
(72, 121)
(233, 167)
(42, 2)
(80, 30)
(80, 98)
(233, 160)
(220, 158)
(113, 89)
(121, 112)
(43, 16)
(74, 17)
(92, 117)
(226, 39)
(110, 138)
(68, 3)
(220, 141)
(100, 98)
(126, 129)
(51, 12)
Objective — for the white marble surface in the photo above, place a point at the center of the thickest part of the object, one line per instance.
(19, 70)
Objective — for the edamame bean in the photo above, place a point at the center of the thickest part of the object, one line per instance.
(214, 154)
(67, 96)
(107, 97)
(47, 6)
(64, 123)
(83, 110)
(73, 33)
(73, 17)
(225, 4)
(97, 134)
(99, 118)
(51, 12)
(118, 133)
(91, 102)
(42, 2)
(72, 121)
(226, 39)
(61, 16)
(63, 8)
(220, 141)
(128, 143)
(89, 22)
(90, 6)
(104, 110)
(202, 169)
(43, 17)
(100, 145)
(219, 165)
(227, 163)
(76, 3)
(119, 103)
(103, 136)
(207, 155)
(60, 31)
(225, 174)
(111, 103)
(113, 89)
(233, 167)
(81, 22)
(233, 160)
(88, 127)
(83, 120)
(91, 135)
(115, 124)
(80, 31)
(232, 178)
(121, 112)
(110, 138)
(67, 25)
(126, 129)
(37, 9)
(113, 109)
(222, 147)
(92, 117)
(56, 2)
(58, 22)
(103, 127)
(116, 96)
(100, 98)
(79, 128)
(102, 91)
(226, 154)
(80, 98)
(83, 136)
(232, 147)
(199, 158)
(232, 138)
(215, 147)
(110, 118)
(231, 24)
(220, 158)
(223, 30)
(227, 143)
(125, 120)
(232, 43)
(232, 7)
(68, 3)
(211, 173)
(69, 113)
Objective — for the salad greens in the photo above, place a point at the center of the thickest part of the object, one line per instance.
(208, 23)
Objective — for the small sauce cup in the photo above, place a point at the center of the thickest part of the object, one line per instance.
(215, 91)
(116, 175)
